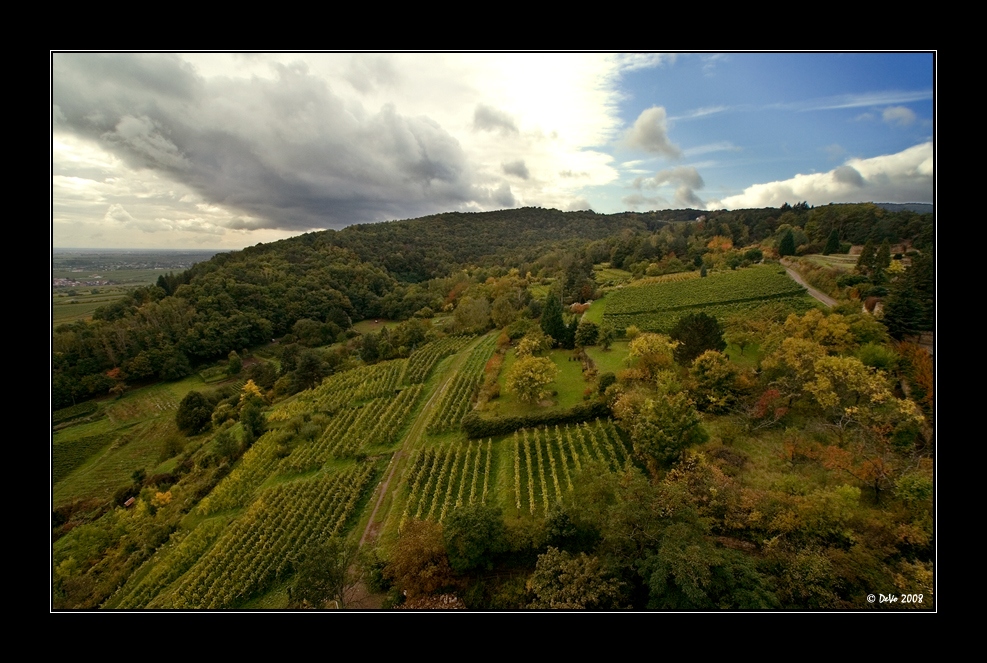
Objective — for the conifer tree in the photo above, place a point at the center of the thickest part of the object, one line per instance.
(833, 243)
(865, 263)
(787, 245)
(551, 320)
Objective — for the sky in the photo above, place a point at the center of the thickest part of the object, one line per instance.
(226, 150)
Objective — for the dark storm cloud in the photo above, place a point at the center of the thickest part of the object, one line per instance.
(285, 150)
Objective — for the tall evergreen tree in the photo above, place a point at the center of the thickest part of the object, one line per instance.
(787, 245)
(865, 263)
(833, 243)
(551, 320)
(883, 258)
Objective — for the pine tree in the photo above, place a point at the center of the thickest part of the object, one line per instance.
(865, 263)
(883, 259)
(833, 243)
(787, 245)
(551, 320)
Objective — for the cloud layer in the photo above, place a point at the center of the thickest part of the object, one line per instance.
(285, 145)
(907, 176)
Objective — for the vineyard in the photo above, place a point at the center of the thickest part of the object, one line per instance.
(263, 545)
(446, 478)
(658, 306)
(456, 400)
(546, 460)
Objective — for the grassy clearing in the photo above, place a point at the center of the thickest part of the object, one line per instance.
(569, 385)
(375, 325)
(595, 312)
(749, 359)
(838, 261)
(607, 276)
(609, 361)
(70, 309)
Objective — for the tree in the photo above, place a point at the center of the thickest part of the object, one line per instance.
(419, 564)
(565, 582)
(194, 413)
(660, 428)
(234, 364)
(473, 315)
(697, 333)
(883, 258)
(529, 376)
(787, 245)
(474, 536)
(551, 319)
(322, 576)
(587, 333)
(865, 263)
(832, 243)
(715, 379)
(654, 352)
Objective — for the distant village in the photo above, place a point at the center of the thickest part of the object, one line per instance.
(69, 283)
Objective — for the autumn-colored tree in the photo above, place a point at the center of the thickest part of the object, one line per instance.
(830, 331)
(651, 353)
(660, 428)
(714, 378)
(529, 376)
(533, 343)
(792, 365)
(851, 394)
(573, 582)
(418, 564)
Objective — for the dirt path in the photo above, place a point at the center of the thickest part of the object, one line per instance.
(412, 438)
(825, 299)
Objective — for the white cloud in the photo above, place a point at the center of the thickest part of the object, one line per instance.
(907, 176)
(900, 116)
(649, 133)
(722, 146)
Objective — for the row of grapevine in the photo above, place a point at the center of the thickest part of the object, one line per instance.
(261, 546)
(546, 460)
(378, 422)
(423, 360)
(342, 389)
(169, 563)
(237, 488)
(443, 479)
(458, 396)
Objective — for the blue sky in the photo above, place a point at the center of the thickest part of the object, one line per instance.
(227, 150)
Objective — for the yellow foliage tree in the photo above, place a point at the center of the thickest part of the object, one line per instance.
(529, 376)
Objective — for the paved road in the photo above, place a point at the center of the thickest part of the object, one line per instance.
(825, 299)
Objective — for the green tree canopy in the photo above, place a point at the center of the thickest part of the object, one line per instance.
(697, 333)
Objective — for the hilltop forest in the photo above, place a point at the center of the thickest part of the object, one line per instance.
(517, 409)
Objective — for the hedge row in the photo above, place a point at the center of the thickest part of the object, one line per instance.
(479, 427)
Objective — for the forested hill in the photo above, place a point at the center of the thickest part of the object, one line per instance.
(419, 249)
(334, 278)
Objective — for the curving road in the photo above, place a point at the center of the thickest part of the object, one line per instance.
(825, 299)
